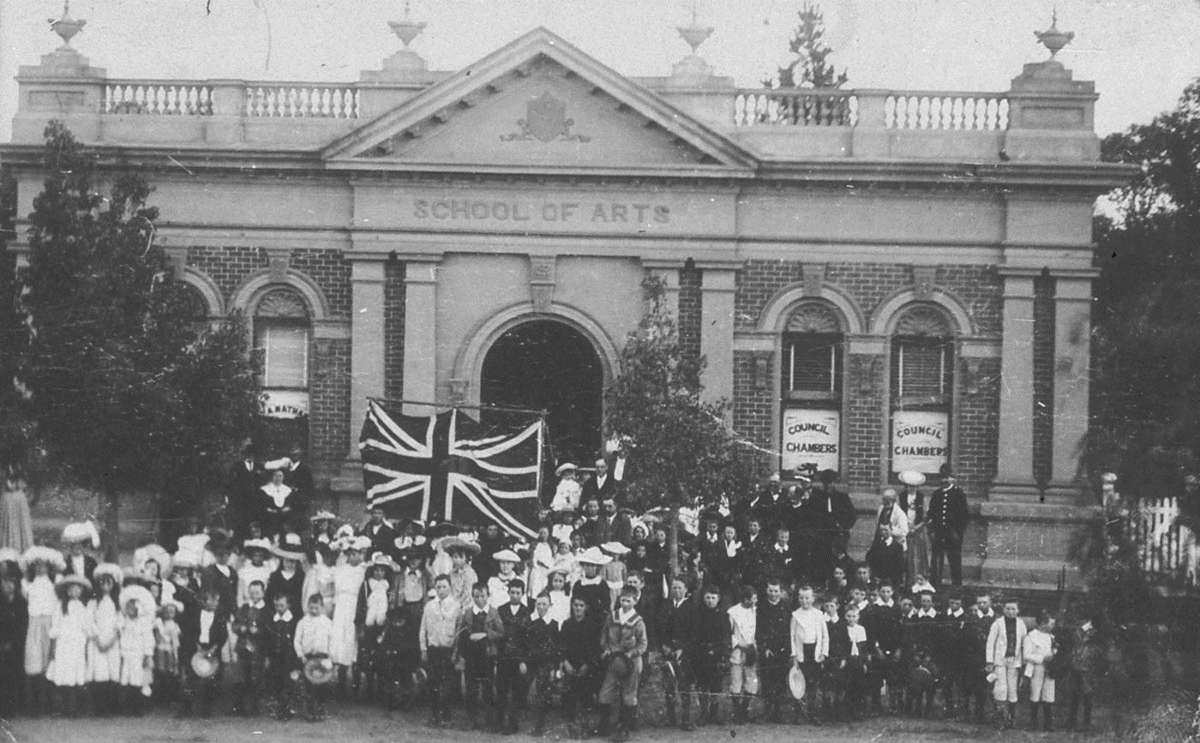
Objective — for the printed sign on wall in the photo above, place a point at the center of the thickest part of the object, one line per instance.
(283, 404)
(811, 437)
(920, 440)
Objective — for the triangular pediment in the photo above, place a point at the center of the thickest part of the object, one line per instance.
(538, 102)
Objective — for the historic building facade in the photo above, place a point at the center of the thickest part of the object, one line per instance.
(878, 280)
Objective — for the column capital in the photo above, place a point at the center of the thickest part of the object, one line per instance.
(1072, 288)
(367, 271)
(1018, 284)
(420, 272)
(719, 280)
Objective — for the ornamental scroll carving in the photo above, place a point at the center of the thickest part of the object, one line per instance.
(546, 121)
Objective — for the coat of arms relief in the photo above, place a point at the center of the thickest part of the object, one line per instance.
(546, 121)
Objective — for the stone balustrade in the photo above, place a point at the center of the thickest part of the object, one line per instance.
(901, 109)
(1044, 116)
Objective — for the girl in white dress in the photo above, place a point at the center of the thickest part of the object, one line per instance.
(541, 563)
(70, 630)
(137, 650)
(347, 581)
(560, 597)
(104, 652)
(42, 564)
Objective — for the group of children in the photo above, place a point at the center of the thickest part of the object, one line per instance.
(394, 615)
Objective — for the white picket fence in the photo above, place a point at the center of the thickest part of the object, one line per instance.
(1167, 550)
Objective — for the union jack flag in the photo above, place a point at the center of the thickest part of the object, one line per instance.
(450, 467)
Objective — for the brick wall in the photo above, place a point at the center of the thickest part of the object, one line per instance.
(393, 329)
(978, 288)
(690, 279)
(1043, 378)
(329, 403)
(752, 413)
(978, 423)
(329, 387)
(331, 271)
(228, 266)
(231, 266)
(863, 420)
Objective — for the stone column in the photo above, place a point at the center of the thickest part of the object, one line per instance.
(420, 334)
(716, 332)
(1072, 349)
(366, 339)
(1014, 466)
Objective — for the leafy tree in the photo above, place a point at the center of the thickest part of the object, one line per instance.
(809, 66)
(127, 391)
(14, 423)
(1146, 392)
(683, 450)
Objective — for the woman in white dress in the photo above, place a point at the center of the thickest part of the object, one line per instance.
(70, 630)
(104, 651)
(347, 581)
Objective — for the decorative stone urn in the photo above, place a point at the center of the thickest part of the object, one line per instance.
(66, 27)
(1052, 38)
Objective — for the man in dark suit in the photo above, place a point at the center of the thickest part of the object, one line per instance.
(220, 577)
(381, 534)
(601, 485)
(297, 475)
(947, 519)
(245, 478)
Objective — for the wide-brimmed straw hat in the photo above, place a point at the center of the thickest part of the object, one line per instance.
(796, 684)
(73, 580)
(452, 544)
(564, 468)
(40, 553)
(593, 556)
(155, 552)
(911, 478)
(319, 670)
(263, 545)
(290, 547)
(111, 569)
(615, 548)
(506, 556)
(322, 515)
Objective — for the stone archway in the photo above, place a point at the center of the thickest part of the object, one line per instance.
(548, 365)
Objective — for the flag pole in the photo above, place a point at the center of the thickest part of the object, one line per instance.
(498, 408)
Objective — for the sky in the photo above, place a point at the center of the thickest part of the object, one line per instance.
(1140, 53)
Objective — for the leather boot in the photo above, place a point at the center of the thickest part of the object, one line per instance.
(685, 722)
(1048, 717)
(1012, 715)
(714, 710)
(623, 722)
(539, 727)
(1033, 715)
(605, 726)
(670, 720)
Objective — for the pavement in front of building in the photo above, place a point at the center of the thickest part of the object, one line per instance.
(362, 723)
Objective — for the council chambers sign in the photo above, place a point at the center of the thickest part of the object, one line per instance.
(811, 437)
(919, 440)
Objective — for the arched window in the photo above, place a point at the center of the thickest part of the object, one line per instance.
(197, 308)
(282, 338)
(922, 386)
(281, 335)
(811, 388)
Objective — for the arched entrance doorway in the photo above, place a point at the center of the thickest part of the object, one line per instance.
(548, 365)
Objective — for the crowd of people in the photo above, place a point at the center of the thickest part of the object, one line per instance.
(764, 616)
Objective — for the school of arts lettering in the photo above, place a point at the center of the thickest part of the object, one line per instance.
(465, 210)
